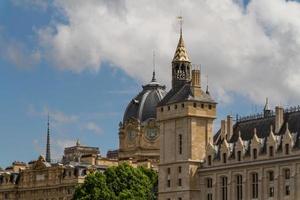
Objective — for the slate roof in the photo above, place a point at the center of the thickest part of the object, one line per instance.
(185, 93)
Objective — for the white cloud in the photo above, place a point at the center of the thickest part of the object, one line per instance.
(93, 127)
(252, 52)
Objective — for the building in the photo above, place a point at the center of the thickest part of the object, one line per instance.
(139, 131)
(255, 157)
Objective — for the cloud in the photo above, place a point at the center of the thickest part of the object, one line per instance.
(93, 127)
(251, 51)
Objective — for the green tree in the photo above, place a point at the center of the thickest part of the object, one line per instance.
(119, 183)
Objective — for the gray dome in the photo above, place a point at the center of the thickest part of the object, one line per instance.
(143, 106)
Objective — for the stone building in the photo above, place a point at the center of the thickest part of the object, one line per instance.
(249, 158)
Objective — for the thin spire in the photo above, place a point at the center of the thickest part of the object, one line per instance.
(153, 74)
(48, 152)
(181, 52)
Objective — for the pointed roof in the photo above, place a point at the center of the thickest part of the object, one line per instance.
(181, 52)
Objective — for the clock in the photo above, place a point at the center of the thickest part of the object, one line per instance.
(151, 133)
(131, 134)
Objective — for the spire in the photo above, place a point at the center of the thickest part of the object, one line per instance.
(48, 153)
(153, 74)
(207, 90)
(181, 52)
(267, 104)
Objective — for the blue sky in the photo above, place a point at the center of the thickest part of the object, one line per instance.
(86, 98)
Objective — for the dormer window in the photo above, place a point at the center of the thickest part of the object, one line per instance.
(239, 155)
(224, 158)
(254, 154)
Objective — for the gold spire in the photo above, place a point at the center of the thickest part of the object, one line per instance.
(181, 52)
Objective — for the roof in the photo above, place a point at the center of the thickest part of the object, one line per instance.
(181, 52)
(185, 93)
(143, 106)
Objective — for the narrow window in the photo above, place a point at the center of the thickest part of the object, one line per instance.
(169, 183)
(180, 144)
(169, 170)
(254, 154)
(182, 105)
(287, 149)
(209, 160)
(195, 105)
(287, 190)
(162, 109)
(209, 182)
(209, 196)
(239, 155)
(287, 174)
(239, 187)
(175, 106)
(224, 158)
(209, 107)
(271, 151)
(179, 182)
(255, 185)
(202, 105)
(271, 176)
(168, 107)
(271, 191)
(224, 191)
(179, 169)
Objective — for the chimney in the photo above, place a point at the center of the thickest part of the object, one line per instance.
(196, 78)
(223, 129)
(278, 118)
(229, 126)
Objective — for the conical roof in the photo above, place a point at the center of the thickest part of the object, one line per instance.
(181, 52)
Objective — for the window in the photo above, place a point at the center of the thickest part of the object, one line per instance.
(169, 183)
(287, 149)
(179, 198)
(224, 158)
(271, 191)
(254, 154)
(239, 187)
(209, 182)
(209, 160)
(224, 191)
(182, 105)
(271, 151)
(239, 155)
(209, 107)
(179, 182)
(169, 170)
(175, 106)
(180, 144)
(271, 176)
(287, 174)
(195, 105)
(168, 107)
(254, 185)
(209, 196)
(179, 169)
(162, 109)
(287, 190)
(202, 105)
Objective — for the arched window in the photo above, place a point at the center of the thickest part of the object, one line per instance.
(254, 154)
(254, 180)
(287, 149)
(224, 189)
(239, 187)
(271, 151)
(209, 160)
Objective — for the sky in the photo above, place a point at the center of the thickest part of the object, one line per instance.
(83, 61)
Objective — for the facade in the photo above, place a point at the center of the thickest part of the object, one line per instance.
(139, 132)
(250, 158)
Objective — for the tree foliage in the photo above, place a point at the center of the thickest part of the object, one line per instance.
(119, 183)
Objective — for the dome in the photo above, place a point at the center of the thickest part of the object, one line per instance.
(143, 106)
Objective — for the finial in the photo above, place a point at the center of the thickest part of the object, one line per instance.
(207, 91)
(153, 74)
(180, 19)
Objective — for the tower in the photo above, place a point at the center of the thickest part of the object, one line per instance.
(186, 117)
(48, 152)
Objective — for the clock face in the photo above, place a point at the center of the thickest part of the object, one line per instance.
(131, 134)
(151, 133)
